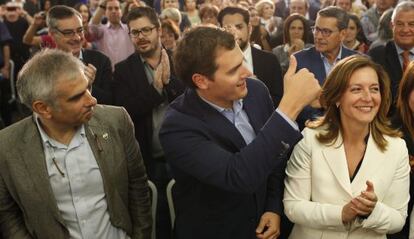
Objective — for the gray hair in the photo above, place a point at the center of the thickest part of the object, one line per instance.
(402, 7)
(38, 77)
(60, 12)
(342, 17)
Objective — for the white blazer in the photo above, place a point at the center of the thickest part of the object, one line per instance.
(317, 186)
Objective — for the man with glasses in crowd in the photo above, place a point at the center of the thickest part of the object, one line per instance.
(111, 38)
(328, 33)
(66, 30)
(144, 86)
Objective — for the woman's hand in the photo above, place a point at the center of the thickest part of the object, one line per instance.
(348, 214)
(365, 203)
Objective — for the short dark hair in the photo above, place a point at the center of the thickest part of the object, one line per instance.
(140, 12)
(231, 11)
(196, 52)
(286, 26)
(342, 17)
(60, 12)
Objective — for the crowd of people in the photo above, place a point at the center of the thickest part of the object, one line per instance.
(275, 118)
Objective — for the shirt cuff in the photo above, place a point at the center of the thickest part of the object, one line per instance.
(292, 123)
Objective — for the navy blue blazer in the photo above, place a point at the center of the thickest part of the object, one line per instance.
(311, 59)
(388, 58)
(223, 186)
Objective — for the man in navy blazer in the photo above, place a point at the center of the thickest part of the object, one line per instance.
(328, 33)
(225, 142)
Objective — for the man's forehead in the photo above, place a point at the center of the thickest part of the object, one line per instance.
(326, 21)
(70, 22)
(112, 3)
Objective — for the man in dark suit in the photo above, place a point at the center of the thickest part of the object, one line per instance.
(225, 142)
(65, 27)
(391, 56)
(263, 64)
(144, 86)
(73, 169)
(329, 32)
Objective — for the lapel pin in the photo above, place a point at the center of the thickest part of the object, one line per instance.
(105, 136)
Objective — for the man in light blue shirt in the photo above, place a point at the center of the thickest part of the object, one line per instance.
(74, 169)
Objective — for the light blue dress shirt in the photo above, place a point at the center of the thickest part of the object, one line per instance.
(327, 65)
(79, 192)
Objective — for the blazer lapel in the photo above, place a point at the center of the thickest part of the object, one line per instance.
(220, 127)
(336, 159)
(371, 164)
(34, 158)
(101, 143)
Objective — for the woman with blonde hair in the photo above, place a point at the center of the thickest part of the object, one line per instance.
(349, 175)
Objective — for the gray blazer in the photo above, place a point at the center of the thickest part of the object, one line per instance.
(28, 208)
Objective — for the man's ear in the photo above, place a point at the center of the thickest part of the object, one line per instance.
(200, 81)
(42, 109)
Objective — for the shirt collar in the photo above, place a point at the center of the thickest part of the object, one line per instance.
(338, 57)
(400, 50)
(45, 138)
(237, 106)
(248, 58)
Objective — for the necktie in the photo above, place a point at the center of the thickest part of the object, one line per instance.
(406, 59)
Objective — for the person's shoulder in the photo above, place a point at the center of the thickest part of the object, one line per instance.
(13, 134)
(131, 59)
(378, 50)
(305, 52)
(94, 53)
(108, 114)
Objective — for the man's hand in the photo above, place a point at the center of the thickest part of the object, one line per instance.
(269, 226)
(39, 20)
(90, 73)
(300, 89)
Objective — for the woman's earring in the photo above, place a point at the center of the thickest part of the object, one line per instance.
(337, 105)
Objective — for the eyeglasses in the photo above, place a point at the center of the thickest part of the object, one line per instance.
(11, 9)
(71, 33)
(146, 31)
(324, 31)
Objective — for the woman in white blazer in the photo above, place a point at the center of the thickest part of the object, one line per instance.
(349, 176)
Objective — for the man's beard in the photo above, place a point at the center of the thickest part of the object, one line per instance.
(243, 45)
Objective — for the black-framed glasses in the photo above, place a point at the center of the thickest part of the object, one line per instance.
(71, 33)
(324, 31)
(146, 31)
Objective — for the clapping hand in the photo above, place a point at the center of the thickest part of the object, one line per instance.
(365, 203)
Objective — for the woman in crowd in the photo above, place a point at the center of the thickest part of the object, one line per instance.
(355, 38)
(404, 121)
(170, 34)
(208, 14)
(190, 8)
(349, 176)
(273, 24)
(259, 35)
(295, 39)
(83, 9)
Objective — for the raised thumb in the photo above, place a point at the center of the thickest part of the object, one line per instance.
(292, 66)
